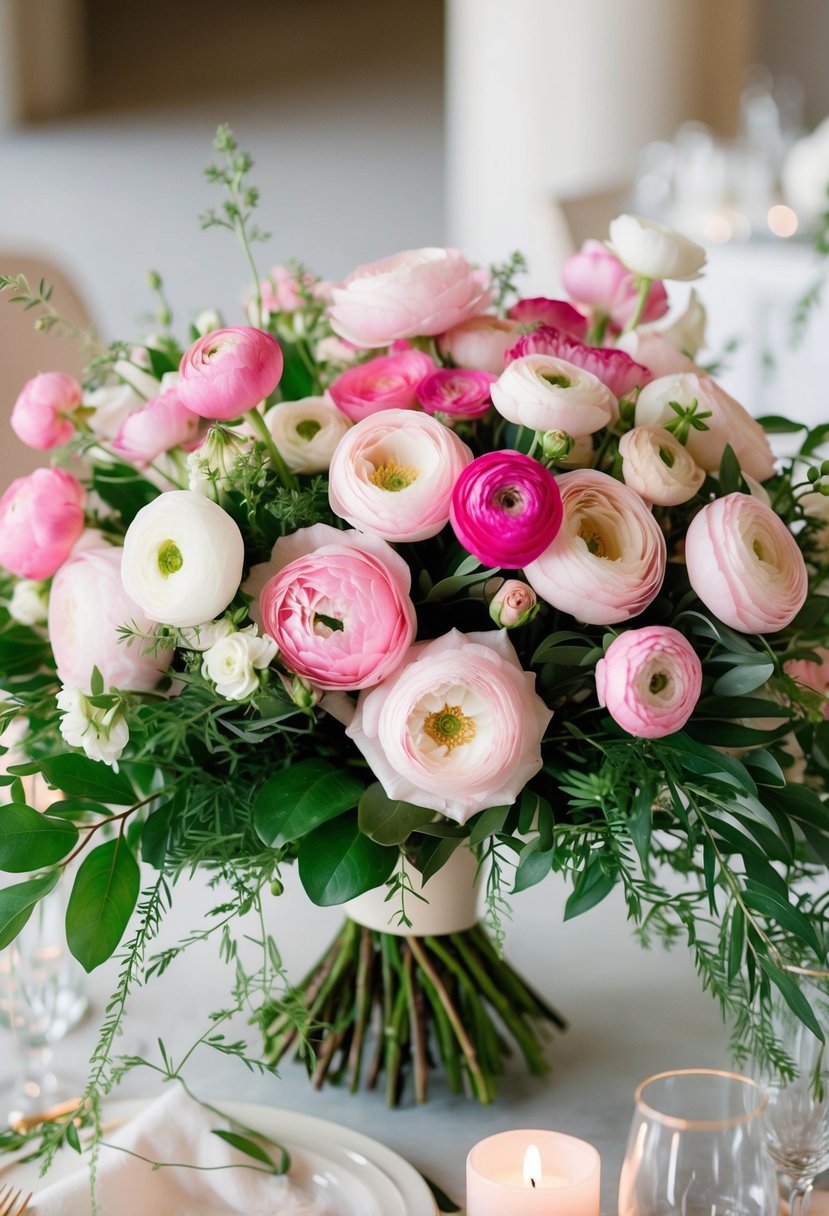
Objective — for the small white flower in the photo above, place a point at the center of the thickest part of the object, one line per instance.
(212, 465)
(307, 432)
(202, 637)
(29, 603)
(654, 251)
(102, 733)
(233, 662)
(208, 320)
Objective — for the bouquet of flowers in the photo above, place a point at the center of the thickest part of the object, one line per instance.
(401, 571)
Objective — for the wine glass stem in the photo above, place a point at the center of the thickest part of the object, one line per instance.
(799, 1198)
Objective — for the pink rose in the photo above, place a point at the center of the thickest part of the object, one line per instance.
(41, 517)
(557, 313)
(457, 728)
(649, 680)
(506, 509)
(458, 392)
(338, 607)
(613, 367)
(393, 474)
(812, 675)
(608, 560)
(39, 416)
(745, 566)
(388, 382)
(87, 604)
(163, 423)
(229, 371)
(547, 394)
(481, 342)
(513, 604)
(418, 292)
(597, 280)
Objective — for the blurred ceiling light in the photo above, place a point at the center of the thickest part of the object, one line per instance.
(782, 220)
(718, 228)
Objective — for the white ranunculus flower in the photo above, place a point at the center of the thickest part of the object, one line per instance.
(111, 406)
(654, 251)
(29, 603)
(233, 663)
(688, 331)
(658, 467)
(202, 637)
(183, 558)
(208, 320)
(549, 394)
(102, 733)
(306, 432)
(805, 174)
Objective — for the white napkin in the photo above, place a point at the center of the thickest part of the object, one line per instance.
(175, 1128)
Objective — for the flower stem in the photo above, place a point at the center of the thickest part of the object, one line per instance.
(641, 301)
(283, 472)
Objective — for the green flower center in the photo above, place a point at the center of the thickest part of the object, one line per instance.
(559, 381)
(658, 682)
(449, 727)
(308, 428)
(667, 457)
(170, 560)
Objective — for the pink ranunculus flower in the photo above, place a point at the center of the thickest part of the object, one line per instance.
(87, 604)
(229, 371)
(506, 509)
(745, 566)
(597, 280)
(163, 423)
(547, 394)
(558, 313)
(39, 416)
(393, 474)
(338, 607)
(41, 518)
(458, 392)
(657, 466)
(417, 292)
(656, 352)
(388, 382)
(481, 343)
(608, 560)
(280, 290)
(649, 680)
(725, 421)
(457, 728)
(513, 604)
(812, 675)
(614, 368)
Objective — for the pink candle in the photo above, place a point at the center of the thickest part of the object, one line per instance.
(532, 1173)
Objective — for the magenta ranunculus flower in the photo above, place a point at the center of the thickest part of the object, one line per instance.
(338, 607)
(388, 382)
(459, 392)
(457, 728)
(419, 291)
(558, 313)
(595, 278)
(649, 680)
(229, 371)
(506, 509)
(163, 423)
(87, 604)
(613, 367)
(745, 565)
(41, 517)
(39, 416)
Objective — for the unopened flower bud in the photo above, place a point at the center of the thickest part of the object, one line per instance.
(304, 695)
(556, 445)
(277, 886)
(153, 280)
(513, 604)
(207, 321)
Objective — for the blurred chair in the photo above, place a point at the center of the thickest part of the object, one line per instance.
(587, 216)
(24, 352)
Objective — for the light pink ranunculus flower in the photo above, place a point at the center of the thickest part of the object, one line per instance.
(513, 604)
(280, 290)
(547, 394)
(87, 604)
(597, 280)
(812, 675)
(229, 371)
(457, 728)
(387, 382)
(338, 607)
(725, 421)
(39, 416)
(393, 474)
(417, 292)
(745, 566)
(649, 680)
(657, 466)
(656, 352)
(41, 518)
(163, 423)
(560, 314)
(608, 560)
(614, 368)
(306, 432)
(479, 343)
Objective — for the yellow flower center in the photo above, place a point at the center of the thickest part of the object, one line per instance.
(393, 476)
(449, 727)
(598, 541)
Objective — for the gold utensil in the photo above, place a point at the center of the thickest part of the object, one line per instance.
(25, 1123)
(13, 1202)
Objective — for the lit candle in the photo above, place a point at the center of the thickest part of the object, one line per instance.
(532, 1173)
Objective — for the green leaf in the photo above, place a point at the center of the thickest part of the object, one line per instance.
(815, 439)
(533, 866)
(741, 707)
(764, 768)
(72, 1137)
(442, 1201)
(736, 942)
(251, 1149)
(731, 475)
(793, 996)
(640, 824)
(299, 799)
(30, 840)
(337, 862)
(389, 820)
(123, 489)
(487, 823)
(698, 758)
(743, 679)
(80, 777)
(101, 903)
(550, 643)
(160, 362)
(776, 424)
(97, 682)
(433, 854)
(155, 835)
(17, 903)
(594, 883)
(788, 917)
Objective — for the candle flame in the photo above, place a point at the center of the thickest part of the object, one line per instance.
(532, 1166)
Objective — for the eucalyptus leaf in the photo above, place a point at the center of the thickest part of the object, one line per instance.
(743, 679)
(296, 800)
(101, 903)
(30, 840)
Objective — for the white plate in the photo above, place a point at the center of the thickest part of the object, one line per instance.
(353, 1174)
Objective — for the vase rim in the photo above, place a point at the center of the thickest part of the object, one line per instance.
(703, 1125)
